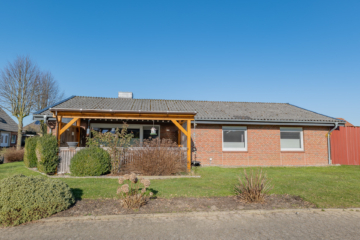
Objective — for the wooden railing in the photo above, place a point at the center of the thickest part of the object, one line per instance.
(66, 154)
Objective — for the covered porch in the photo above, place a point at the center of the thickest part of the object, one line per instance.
(174, 125)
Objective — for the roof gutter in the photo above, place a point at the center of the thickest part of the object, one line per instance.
(329, 145)
(262, 122)
(121, 111)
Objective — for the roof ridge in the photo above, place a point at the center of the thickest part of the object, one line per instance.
(53, 105)
(177, 100)
(315, 112)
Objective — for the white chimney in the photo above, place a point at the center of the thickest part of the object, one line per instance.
(125, 95)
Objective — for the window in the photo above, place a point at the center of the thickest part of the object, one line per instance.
(234, 139)
(291, 139)
(13, 138)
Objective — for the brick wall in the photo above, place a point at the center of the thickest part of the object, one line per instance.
(263, 147)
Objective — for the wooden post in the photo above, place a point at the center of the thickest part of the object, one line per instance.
(179, 137)
(78, 128)
(59, 120)
(188, 145)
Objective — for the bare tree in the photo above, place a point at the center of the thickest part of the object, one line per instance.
(48, 94)
(19, 83)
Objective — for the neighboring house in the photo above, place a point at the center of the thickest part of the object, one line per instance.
(222, 133)
(30, 130)
(8, 130)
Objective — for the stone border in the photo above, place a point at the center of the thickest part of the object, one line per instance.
(115, 177)
(190, 214)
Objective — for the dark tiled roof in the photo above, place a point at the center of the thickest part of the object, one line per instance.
(205, 109)
(7, 123)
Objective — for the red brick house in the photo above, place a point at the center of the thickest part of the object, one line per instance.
(222, 133)
(8, 130)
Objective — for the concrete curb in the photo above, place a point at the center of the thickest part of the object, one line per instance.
(193, 214)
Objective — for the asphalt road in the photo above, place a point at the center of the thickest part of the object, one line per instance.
(327, 224)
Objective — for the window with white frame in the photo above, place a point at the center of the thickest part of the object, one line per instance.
(13, 139)
(234, 138)
(291, 139)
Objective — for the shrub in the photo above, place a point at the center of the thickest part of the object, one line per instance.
(30, 158)
(24, 199)
(116, 144)
(253, 187)
(13, 155)
(92, 161)
(130, 194)
(47, 154)
(155, 158)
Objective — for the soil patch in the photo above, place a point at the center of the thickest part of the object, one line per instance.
(98, 207)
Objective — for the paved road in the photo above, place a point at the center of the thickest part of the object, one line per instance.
(224, 225)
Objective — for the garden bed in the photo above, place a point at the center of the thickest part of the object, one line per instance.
(99, 207)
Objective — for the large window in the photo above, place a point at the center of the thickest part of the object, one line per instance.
(140, 132)
(234, 139)
(291, 139)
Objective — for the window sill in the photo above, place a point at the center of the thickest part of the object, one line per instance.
(235, 151)
(293, 151)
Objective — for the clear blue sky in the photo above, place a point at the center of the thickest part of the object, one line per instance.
(302, 52)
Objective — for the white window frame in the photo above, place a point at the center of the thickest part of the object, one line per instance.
(293, 129)
(239, 128)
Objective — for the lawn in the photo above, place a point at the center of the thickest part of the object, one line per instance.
(336, 186)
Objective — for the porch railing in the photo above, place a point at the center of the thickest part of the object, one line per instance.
(66, 154)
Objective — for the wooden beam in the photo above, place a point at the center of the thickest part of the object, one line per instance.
(179, 126)
(156, 117)
(68, 125)
(188, 144)
(78, 129)
(59, 119)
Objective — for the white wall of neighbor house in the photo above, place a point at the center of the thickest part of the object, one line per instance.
(5, 138)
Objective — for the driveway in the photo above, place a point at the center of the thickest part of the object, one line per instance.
(288, 224)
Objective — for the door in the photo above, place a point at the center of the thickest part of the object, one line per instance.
(4, 140)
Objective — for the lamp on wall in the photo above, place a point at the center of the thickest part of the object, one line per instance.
(153, 130)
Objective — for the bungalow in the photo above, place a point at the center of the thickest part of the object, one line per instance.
(8, 130)
(214, 133)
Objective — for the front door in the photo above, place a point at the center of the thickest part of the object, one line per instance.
(4, 139)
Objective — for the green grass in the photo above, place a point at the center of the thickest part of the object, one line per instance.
(325, 186)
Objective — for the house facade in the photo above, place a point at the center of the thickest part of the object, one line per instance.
(8, 130)
(215, 133)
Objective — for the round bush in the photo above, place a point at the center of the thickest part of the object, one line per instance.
(93, 161)
(24, 199)
(30, 158)
(47, 154)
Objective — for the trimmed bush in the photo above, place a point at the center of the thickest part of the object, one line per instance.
(13, 155)
(24, 199)
(93, 161)
(46, 153)
(30, 158)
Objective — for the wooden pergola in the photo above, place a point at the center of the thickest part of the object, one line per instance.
(178, 118)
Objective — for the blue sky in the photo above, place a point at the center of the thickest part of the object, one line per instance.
(301, 52)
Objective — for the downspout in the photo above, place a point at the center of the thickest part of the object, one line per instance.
(329, 145)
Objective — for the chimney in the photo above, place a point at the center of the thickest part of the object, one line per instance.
(125, 95)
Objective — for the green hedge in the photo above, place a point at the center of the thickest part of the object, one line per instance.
(30, 158)
(24, 199)
(92, 161)
(47, 154)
